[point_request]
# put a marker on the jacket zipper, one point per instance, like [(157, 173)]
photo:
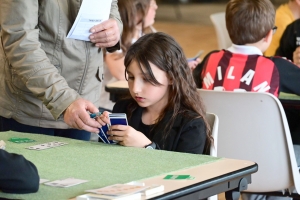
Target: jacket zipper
[(87, 53)]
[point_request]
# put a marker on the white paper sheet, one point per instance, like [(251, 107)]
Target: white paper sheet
[(92, 12)]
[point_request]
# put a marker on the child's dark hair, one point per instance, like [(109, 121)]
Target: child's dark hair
[(164, 52), (249, 21)]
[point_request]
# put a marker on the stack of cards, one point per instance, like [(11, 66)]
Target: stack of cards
[(115, 119), (119, 190), (128, 191), (47, 145), (90, 196)]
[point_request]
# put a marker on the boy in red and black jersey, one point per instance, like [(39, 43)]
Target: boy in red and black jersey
[(242, 67)]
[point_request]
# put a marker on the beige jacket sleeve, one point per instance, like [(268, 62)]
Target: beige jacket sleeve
[(20, 37)]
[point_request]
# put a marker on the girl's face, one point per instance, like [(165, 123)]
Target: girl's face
[(145, 94), (149, 19)]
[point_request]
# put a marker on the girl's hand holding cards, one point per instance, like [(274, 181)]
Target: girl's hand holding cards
[(115, 129), (103, 119), (128, 136)]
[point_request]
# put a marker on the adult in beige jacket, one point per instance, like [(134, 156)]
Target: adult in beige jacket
[(47, 81)]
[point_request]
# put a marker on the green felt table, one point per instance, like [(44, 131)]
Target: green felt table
[(100, 164), (288, 96)]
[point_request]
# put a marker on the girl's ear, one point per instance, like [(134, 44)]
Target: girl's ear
[(170, 81)]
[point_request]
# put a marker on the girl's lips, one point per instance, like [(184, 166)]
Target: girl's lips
[(139, 98)]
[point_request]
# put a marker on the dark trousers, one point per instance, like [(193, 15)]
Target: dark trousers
[(13, 125)]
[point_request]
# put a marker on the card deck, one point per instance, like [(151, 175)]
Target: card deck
[(115, 119), (119, 189), (47, 145)]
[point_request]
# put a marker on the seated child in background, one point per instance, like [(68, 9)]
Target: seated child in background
[(242, 67), (290, 42), (285, 14), (138, 17), (250, 24), (290, 48), (165, 110), (17, 175)]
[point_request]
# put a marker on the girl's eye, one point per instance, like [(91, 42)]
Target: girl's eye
[(146, 78), (130, 77)]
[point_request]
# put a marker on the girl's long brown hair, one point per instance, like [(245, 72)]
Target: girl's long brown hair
[(165, 53)]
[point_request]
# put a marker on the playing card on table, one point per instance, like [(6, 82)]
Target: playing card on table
[(43, 180), (20, 140), (47, 145), (68, 182)]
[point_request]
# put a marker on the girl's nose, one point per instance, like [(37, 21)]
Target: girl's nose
[(136, 86)]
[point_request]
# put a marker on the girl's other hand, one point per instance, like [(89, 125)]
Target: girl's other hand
[(103, 119)]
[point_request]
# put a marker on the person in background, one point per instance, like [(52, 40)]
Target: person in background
[(48, 82), (149, 22), (138, 17), (242, 67), (133, 14), (290, 42), (165, 110), (285, 14), (289, 48), (17, 175)]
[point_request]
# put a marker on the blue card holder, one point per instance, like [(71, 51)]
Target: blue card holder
[(102, 134), (115, 119), (118, 121)]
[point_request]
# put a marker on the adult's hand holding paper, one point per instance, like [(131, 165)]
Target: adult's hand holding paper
[(91, 13)]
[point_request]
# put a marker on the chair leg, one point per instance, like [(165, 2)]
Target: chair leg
[(232, 195)]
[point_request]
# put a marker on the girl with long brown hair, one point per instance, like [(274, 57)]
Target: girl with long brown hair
[(165, 110), (134, 15)]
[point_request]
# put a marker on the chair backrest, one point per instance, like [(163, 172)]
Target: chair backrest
[(253, 126), (218, 20), (213, 122)]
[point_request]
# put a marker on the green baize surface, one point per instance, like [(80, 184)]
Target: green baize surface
[(101, 164)]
